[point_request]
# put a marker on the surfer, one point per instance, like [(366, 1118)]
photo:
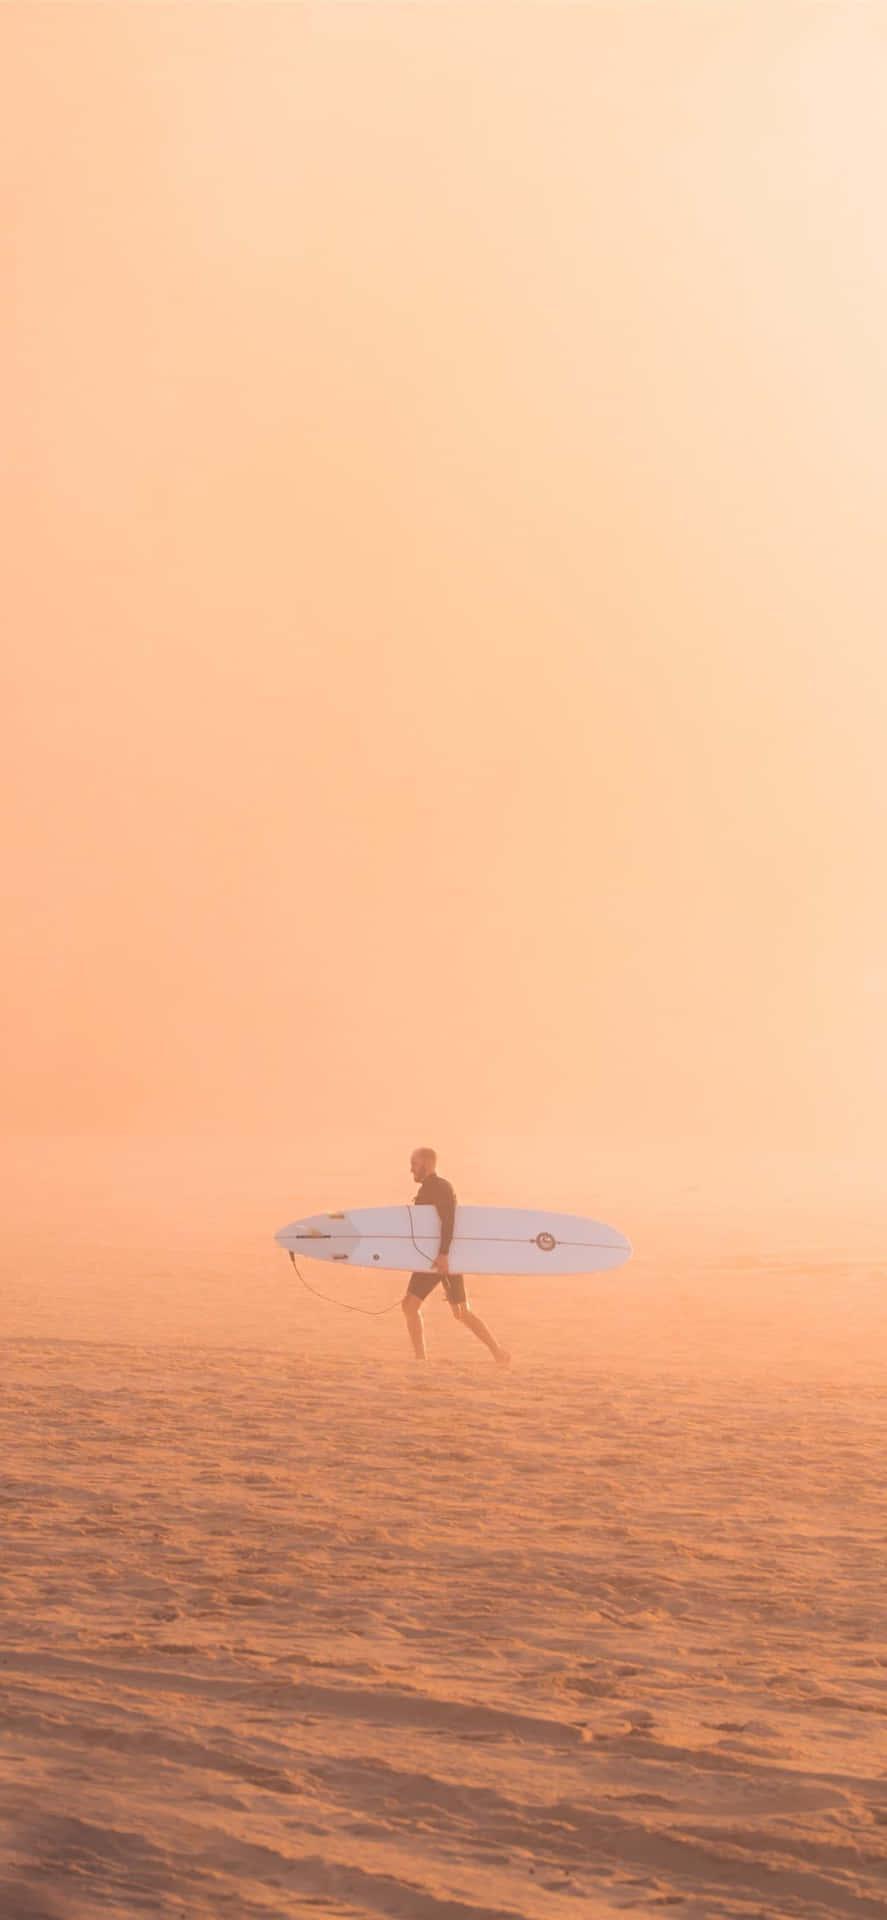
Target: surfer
[(435, 1192)]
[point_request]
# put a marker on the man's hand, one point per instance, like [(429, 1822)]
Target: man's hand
[(440, 1264)]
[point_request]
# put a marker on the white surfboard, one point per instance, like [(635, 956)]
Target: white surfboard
[(485, 1240)]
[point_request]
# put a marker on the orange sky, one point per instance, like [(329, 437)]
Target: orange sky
[(444, 477)]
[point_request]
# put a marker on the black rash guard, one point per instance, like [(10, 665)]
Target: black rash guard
[(435, 1192)]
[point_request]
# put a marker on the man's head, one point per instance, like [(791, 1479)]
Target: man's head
[(423, 1161)]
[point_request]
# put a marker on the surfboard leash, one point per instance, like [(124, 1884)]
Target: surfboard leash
[(371, 1313)]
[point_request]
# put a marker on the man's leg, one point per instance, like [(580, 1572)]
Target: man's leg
[(412, 1310), (412, 1313), (461, 1311)]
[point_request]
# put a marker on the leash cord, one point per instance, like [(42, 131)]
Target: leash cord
[(372, 1313)]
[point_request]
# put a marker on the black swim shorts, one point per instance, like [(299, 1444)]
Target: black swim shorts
[(421, 1284)]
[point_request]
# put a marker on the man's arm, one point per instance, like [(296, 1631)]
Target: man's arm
[(445, 1202)]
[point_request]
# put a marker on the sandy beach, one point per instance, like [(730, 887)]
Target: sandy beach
[(296, 1626)]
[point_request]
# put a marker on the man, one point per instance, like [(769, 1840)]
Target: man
[(435, 1192)]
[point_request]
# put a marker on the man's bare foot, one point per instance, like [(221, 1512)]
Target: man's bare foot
[(502, 1357)]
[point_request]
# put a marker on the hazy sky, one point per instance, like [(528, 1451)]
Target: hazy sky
[(444, 632)]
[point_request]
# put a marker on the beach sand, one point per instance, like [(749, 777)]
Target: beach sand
[(294, 1626)]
